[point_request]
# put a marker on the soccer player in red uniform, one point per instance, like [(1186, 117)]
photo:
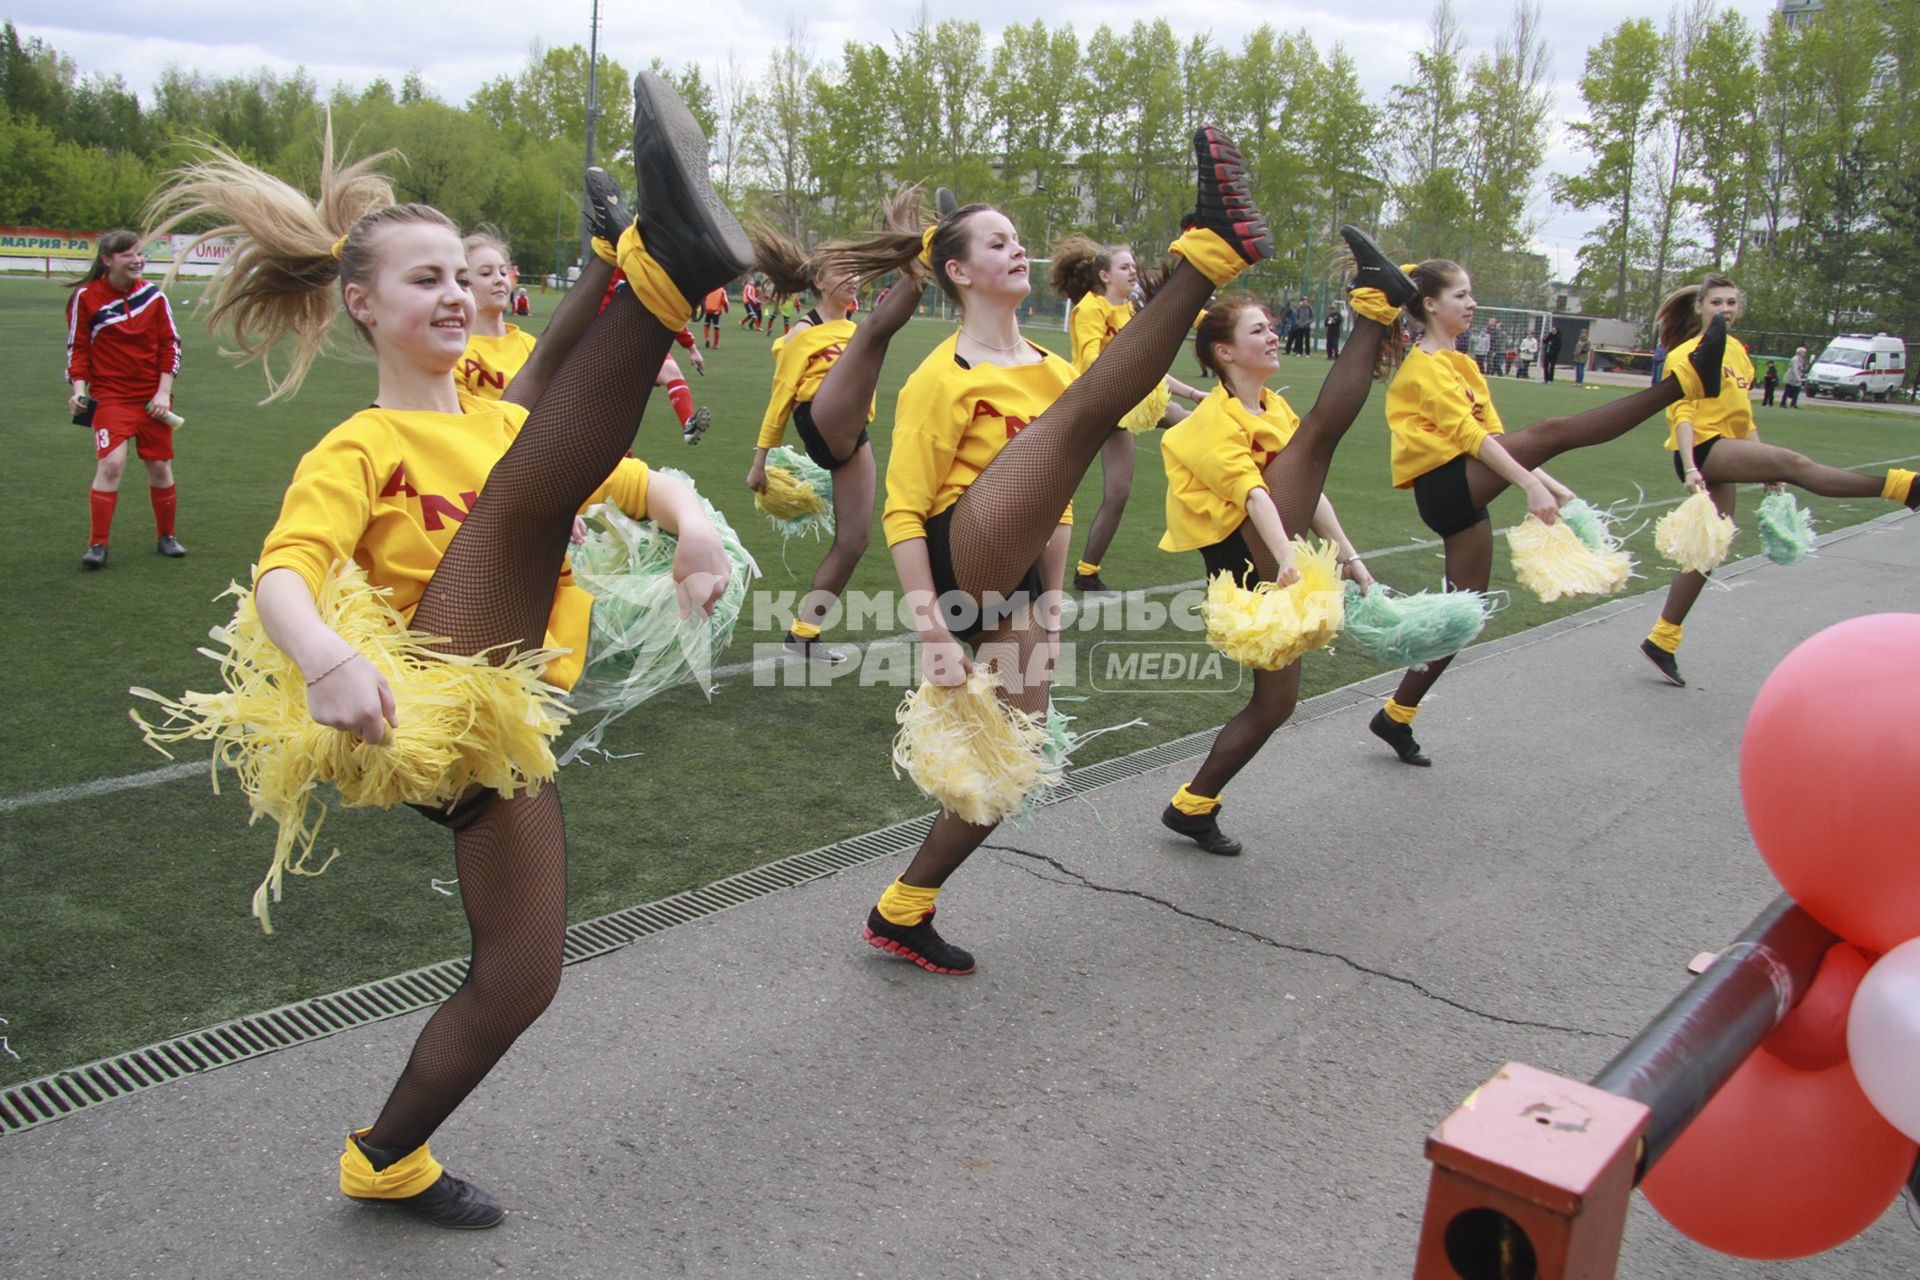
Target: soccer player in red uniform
[(123, 353)]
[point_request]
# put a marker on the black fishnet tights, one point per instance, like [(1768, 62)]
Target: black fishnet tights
[(1469, 553), (512, 862), (840, 404), (494, 587), (1003, 520), (1295, 478)]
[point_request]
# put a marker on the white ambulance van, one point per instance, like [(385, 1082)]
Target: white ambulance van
[(1857, 365)]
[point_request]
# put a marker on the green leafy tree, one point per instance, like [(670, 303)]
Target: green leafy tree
[(1618, 89), (1431, 114)]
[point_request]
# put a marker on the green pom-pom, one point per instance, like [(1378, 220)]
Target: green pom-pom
[(800, 501), (1786, 529), (638, 645), (1411, 631), (1591, 525)]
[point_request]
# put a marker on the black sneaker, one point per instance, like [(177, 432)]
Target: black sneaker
[(815, 651), (1089, 584), (1224, 204), (697, 423), (687, 227), (1710, 357), (918, 943), (450, 1202), (95, 556), (607, 217), (1399, 737), (1663, 662), (1203, 829), (169, 546), (1373, 269)]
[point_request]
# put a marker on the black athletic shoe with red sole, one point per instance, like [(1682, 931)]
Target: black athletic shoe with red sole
[(1373, 269), (1224, 204), (918, 943), (1663, 662), (1710, 357), (688, 229)]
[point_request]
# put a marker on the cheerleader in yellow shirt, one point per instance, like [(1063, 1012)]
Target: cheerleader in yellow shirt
[(496, 349), (443, 498), (1716, 446), (824, 375), (991, 435), (1099, 282), (1241, 473), (1450, 448)]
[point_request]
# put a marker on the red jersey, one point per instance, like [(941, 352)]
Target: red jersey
[(120, 342)]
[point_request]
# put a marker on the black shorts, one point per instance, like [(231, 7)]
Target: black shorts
[(815, 443), (1233, 555), (713, 317), (1701, 449), (1445, 501), (957, 609)]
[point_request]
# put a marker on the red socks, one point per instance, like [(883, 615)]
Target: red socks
[(164, 501), (682, 397), (102, 506)]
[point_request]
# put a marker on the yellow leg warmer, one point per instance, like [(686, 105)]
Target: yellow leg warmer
[(1085, 568), (1193, 804), (1210, 255), (906, 904), (1666, 635), (1899, 486), (804, 630), (650, 283), (1399, 714), (408, 1176), (605, 252), (1371, 304)]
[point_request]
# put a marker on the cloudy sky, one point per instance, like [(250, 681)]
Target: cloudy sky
[(458, 46)]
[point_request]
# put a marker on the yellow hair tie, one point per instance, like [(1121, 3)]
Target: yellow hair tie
[(338, 245), (926, 246)]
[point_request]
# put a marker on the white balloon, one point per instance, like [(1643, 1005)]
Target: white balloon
[(1883, 1037)]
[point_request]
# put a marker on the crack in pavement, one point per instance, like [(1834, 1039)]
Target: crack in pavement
[(1295, 947)]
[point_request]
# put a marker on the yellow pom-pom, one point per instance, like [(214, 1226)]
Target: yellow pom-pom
[(976, 755), (786, 498), (1694, 535), (1271, 627), (463, 722), (1146, 415), (1551, 561)]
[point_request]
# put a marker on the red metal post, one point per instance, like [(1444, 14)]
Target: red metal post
[(1531, 1179)]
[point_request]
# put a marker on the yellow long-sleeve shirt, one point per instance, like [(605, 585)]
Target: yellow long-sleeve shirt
[(1214, 460), (388, 488), (1096, 322), (801, 361), (950, 422), (1438, 407), (488, 364), (1728, 414)]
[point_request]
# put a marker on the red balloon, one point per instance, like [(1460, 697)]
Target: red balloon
[(1813, 1036), (1781, 1164), (1829, 771)]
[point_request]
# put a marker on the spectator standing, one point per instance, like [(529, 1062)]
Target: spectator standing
[(1529, 349), (1482, 343), (1549, 353), (1796, 374), (1496, 348), (1768, 383), (1582, 353), (1303, 319), (1333, 331)]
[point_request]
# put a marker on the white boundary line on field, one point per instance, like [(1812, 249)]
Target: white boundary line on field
[(187, 769)]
